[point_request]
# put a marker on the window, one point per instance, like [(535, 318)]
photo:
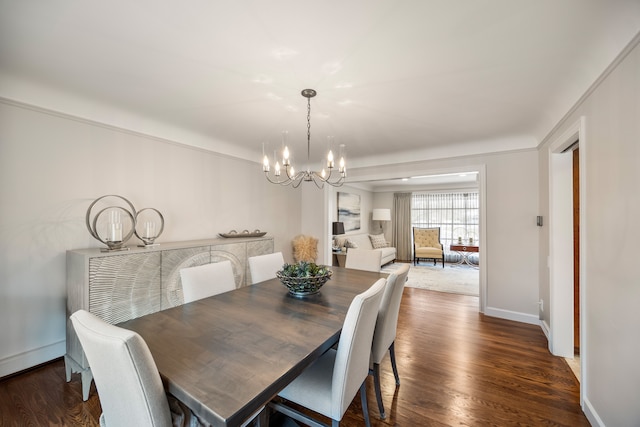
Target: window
[(457, 215)]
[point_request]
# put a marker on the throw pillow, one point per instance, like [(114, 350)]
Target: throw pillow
[(350, 244), (378, 241)]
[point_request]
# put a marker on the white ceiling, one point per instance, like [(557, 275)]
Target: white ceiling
[(395, 79)]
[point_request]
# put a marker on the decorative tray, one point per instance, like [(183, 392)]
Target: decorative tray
[(245, 233)]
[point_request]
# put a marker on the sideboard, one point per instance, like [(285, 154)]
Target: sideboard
[(123, 285)]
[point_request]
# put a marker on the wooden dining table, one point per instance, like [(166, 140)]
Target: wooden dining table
[(228, 355)]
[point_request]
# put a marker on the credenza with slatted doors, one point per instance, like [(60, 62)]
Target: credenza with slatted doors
[(123, 285)]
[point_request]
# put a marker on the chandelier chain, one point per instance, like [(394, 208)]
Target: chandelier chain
[(308, 131)]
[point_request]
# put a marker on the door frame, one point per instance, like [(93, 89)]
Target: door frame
[(560, 264)]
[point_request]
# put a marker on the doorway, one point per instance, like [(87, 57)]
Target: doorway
[(479, 170), (566, 247), (576, 250), (574, 362)]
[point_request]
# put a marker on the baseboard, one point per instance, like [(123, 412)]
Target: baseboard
[(28, 359), (545, 329), (591, 414), (512, 315)]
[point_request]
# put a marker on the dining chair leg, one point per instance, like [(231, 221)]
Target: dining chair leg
[(392, 354), (365, 408), (376, 386)]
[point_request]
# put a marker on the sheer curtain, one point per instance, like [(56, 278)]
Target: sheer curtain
[(401, 238), (457, 215)]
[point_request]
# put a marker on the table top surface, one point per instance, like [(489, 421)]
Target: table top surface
[(473, 247), (225, 356)]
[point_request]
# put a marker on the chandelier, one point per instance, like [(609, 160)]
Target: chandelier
[(291, 177)]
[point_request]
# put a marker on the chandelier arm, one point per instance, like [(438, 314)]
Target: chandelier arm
[(283, 182), (339, 182), (315, 178), (299, 179), (336, 183), (286, 171)]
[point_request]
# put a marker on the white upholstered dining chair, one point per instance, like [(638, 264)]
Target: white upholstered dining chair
[(126, 376), (363, 259), (206, 280), (385, 332), (264, 267), (329, 385)]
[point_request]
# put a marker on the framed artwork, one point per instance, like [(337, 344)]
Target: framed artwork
[(349, 211)]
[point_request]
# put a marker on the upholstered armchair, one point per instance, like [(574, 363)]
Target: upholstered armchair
[(426, 245)]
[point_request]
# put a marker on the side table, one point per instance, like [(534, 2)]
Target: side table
[(339, 259), (465, 251)]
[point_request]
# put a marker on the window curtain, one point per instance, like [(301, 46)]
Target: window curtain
[(402, 226), (457, 215)]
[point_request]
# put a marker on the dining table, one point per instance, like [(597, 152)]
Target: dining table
[(228, 355)]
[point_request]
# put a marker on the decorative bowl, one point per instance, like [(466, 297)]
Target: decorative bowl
[(304, 278)]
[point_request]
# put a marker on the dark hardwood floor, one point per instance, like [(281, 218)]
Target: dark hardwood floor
[(457, 367)]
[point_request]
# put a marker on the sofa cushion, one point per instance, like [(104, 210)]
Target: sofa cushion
[(378, 241)]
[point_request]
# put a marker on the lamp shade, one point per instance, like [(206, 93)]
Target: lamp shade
[(382, 214), (338, 228)]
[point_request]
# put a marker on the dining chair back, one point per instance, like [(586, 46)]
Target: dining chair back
[(264, 267), (206, 280), (126, 376), (385, 333), (329, 385), (363, 259)]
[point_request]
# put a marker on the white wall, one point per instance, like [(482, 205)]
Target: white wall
[(315, 220), (610, 282), (53, 166), (383, 201)]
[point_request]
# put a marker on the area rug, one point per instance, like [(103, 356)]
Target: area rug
[(452, 278)]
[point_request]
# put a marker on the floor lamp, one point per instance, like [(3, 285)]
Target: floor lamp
[(382, 215)]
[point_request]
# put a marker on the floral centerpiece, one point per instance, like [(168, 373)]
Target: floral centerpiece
[(304, 278)]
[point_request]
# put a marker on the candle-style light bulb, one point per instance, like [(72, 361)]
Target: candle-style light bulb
[(285, 150), (323, 173), (330, 163), (265, 164), (343, 163), (277, 171)]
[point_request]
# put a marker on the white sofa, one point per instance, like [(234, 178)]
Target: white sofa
[(363, 241)]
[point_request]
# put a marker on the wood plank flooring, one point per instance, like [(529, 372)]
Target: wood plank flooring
[(457, 367)]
